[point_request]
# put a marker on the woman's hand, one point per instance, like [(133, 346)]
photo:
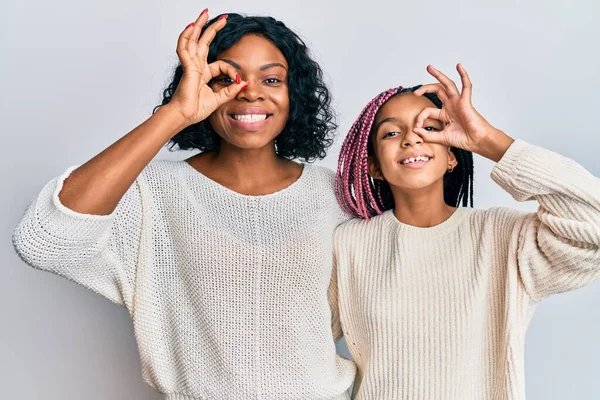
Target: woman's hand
[(193, 98)]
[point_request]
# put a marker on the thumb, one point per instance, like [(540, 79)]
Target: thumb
[(229, 92)]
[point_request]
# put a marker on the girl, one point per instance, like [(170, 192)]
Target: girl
[(223, 260), (435, 299)]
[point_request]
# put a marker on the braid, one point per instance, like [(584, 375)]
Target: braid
[(458, 184), (365, 197), (358, 193)]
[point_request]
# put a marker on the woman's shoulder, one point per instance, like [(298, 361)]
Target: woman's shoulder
[(320, 181), (320, 175), (162, 178), (165, 173), (162, 168)]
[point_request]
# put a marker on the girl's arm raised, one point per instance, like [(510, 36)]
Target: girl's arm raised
[(558, 248)]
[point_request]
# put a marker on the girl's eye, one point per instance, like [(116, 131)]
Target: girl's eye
[(390, 134), (431, 129), (272, 81)]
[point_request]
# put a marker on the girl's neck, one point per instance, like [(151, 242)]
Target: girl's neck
[(421, 207), (251, 172)]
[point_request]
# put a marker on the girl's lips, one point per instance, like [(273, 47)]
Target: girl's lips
[(416, 164)]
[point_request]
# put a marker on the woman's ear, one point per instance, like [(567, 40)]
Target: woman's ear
[(374, 169)]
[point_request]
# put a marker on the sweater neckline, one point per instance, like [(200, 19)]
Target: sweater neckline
[(292, 187), (449, 225)]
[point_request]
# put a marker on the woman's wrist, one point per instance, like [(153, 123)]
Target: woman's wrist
[(171, 119)]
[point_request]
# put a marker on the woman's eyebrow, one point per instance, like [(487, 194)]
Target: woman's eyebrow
[(272, 65), (232, 63), (263, 68)]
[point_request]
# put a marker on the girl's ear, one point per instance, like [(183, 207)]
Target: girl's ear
[(374, 169), (452, 161)]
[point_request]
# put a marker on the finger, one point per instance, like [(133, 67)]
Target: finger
[(436, 88), (182, 44), (188, 36), (228, 93), (437, 137), (467, 86), (192, 44), (218, 68), (429, 113), (448, 83), (208, 36)]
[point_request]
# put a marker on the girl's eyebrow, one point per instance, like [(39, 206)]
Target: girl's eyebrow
[(383, 121)]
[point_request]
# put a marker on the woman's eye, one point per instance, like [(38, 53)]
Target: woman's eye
[(390, 134), (431, 128), (272, 81), (225, 80)]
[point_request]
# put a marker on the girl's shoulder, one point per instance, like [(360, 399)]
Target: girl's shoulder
[(499, 224), (357, 228), (496, 216), (495, 219)]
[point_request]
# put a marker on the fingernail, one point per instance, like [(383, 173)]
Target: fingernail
[(190, 24), (224, 16), (204, 11), (237, 78), (245, 86)]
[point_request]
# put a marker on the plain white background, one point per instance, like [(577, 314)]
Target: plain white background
[(75, 76)]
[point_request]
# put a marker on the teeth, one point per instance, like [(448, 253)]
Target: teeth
[(415, 159), (250, 117)]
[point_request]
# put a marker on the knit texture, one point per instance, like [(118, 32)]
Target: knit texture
[(440, 313), (228, 293)]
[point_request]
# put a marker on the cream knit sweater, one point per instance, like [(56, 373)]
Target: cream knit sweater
[(228, 293), (440, 313)]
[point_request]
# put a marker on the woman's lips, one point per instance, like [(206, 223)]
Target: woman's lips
[(249, 122)]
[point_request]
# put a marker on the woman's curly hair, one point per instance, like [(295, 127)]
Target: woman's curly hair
[(311, 122)]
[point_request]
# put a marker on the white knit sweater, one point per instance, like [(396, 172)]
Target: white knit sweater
[(228, 293), (440, 313)]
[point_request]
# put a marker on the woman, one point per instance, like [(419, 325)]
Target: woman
[(223, 260)]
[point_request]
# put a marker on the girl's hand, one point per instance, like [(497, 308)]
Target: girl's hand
[(193, 98), (464, 127)]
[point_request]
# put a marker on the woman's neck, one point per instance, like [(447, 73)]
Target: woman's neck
[(247, 171), (421, 207)]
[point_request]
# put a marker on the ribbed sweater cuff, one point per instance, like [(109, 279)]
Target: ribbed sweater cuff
[(525, 170)]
